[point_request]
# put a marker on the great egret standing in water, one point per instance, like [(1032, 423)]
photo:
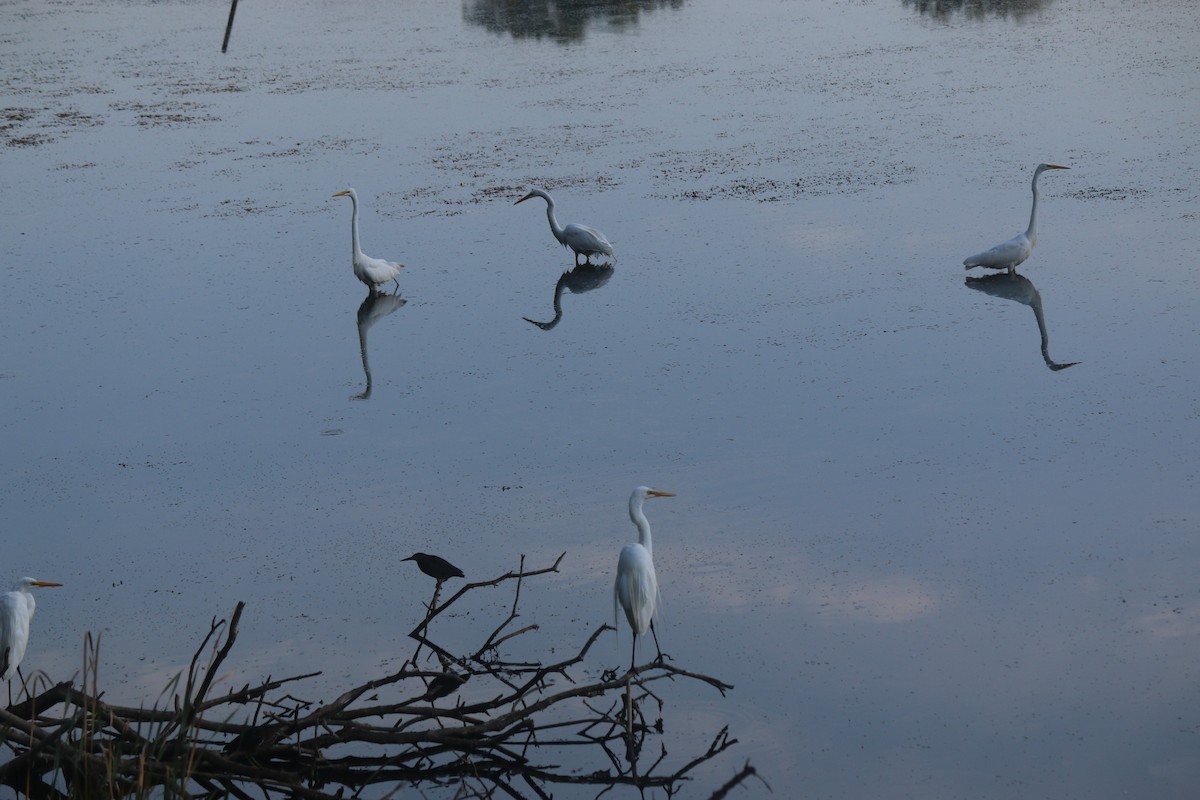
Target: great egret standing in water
[(16, 611), (1008, 255), (636, 587), (371, 271), (585, 241)]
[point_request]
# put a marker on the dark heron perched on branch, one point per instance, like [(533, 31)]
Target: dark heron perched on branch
[(444, 685), (435, 566)]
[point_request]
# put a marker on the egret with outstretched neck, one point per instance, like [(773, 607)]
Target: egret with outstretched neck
[(372, 271), (1008, 255), (585, 241), (373, 308), (636, 587)]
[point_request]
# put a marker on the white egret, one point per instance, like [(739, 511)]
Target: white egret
[(1008, 255), (636, 587), (585, 241), (16, 610), (371, 271)]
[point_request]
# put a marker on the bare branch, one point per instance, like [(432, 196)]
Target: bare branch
[(486, 724)]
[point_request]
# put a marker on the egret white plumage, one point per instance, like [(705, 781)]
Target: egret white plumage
[(371, 271), (636, 587), (585, 241), (16, 611), (1007, 255)]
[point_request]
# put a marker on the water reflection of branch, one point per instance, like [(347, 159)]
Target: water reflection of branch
[(1018, 288), (562, 20), (583, 278), (520, 721), (373, 309), (977, 9)]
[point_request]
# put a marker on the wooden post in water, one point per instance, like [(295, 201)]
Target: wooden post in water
[(229, 25)]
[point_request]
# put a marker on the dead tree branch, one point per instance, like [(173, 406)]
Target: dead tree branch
[(485, 724)]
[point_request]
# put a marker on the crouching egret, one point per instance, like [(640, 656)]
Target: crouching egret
[(435, 567), (636, 587), (371, 271), (16, 611), (1008, 255), (585, 241)]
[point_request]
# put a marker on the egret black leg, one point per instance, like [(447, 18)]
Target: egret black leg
[(21, 678), (655, 634)]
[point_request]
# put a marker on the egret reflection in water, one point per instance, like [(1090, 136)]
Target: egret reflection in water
[(561, 20), (374, 308), (1016, 287), (584, 278)]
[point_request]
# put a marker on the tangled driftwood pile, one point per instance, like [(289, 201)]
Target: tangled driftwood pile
[(471, 725)]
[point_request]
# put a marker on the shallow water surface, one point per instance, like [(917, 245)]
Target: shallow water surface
[(933, 561)]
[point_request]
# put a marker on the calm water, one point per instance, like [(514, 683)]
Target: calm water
[(933, 567)]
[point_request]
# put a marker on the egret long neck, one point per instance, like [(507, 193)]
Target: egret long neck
[(1031, 232), (362, 346), (1036, 305), (555, 228), (643, 525), (354, 226), (557, 310), (558, 292)]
